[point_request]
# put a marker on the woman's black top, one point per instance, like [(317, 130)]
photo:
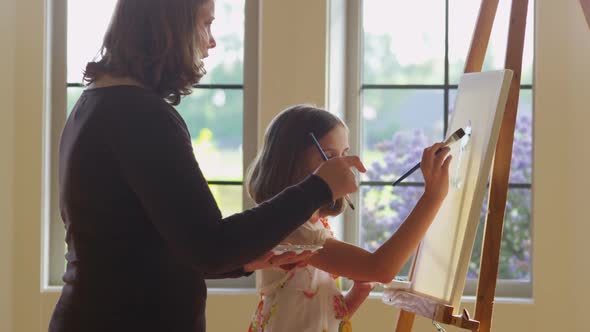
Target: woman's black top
[(143, 230)]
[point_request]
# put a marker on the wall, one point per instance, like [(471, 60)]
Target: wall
[(293, 59), (7, 33), (561, 178), (28, 119), (292, 55)]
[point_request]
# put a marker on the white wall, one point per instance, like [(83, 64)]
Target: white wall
[(561, 178), (7, 12), (293, 58), (292, 55), (28, 117)]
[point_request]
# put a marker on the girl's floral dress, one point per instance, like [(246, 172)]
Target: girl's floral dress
[(300, 298)]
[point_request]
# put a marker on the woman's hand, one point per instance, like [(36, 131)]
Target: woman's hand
[(435, 168), (337, 173), (270, 260)]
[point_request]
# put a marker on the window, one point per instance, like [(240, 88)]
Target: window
[(214, 112), (408, 57)]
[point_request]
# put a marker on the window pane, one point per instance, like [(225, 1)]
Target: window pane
[(226, 61), (515, 256), (383, 210), (72, 98), (228, 197), (397, 126), (87, 23), (224, 65), (522, 149), (462, 17), (403, 42), (215, 118)]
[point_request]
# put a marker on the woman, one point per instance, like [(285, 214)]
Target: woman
[(142, 228)]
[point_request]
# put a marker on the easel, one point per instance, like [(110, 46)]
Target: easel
[(414, 304), (586, 9)]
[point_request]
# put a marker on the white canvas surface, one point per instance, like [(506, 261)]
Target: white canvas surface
[(441, 264)]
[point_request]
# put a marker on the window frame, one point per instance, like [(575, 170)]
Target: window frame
[(353, 52), (56, 85)]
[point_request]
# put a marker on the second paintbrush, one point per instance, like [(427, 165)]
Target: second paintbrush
[(317, 145)]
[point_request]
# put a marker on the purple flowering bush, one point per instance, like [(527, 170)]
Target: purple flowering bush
[(384, 208)]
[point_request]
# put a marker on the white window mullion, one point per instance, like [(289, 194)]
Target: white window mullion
[(343, 94), (55, 116), (251, 105), (353, 105)]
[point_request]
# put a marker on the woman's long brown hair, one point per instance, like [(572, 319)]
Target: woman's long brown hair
[(155, 42)]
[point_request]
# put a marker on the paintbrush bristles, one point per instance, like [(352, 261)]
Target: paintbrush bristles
[(457, 135)]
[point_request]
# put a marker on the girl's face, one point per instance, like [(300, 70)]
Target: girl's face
[(334, 144), (204, 21)]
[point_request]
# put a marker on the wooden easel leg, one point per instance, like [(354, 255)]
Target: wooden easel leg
[(405, 321), (586, 9), (481, 35), (500, 172)]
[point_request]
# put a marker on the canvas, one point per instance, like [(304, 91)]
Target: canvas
[(440, 266)]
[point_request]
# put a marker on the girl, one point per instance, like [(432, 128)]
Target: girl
[(305, 297)]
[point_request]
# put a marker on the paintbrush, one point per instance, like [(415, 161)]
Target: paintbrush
[(317, 145), (457, 135)]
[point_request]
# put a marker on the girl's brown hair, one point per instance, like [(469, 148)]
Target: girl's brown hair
[(281, 161), (155, 42)]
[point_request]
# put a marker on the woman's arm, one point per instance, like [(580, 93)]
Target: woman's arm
[(152, 148), (268, 260), (238, 273)]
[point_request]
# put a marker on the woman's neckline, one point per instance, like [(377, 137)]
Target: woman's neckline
[(108, 81)]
